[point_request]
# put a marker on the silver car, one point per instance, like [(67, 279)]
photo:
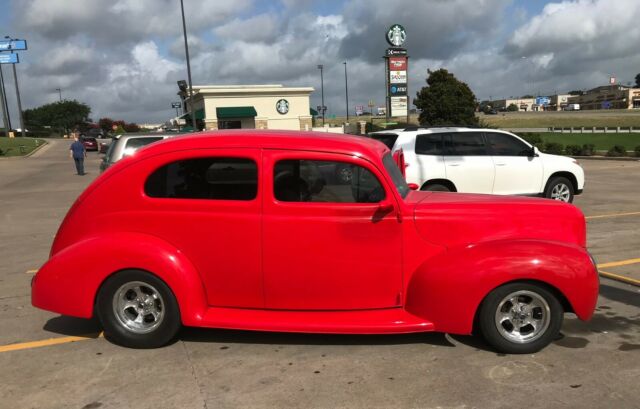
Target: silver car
[(125, 145)]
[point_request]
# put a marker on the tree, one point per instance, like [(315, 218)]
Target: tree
[(512, 107), (132, 127), (446, 101), (638, 81), (105, 124), (578, 92), (62, 115)]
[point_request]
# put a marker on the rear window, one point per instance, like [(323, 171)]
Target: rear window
[(388, 139), (465, 144), (136, 143), (429, 144)]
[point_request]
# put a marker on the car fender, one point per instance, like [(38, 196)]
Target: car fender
[(448, 288), (69, 281)]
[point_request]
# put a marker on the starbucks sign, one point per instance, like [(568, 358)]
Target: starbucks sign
[(396, 35), (282, 106)]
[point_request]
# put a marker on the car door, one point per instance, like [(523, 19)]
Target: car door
[(328, 243), (467, 162), (207, 203), (517, 172)]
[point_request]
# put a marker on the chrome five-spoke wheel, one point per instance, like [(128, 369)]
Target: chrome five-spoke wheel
[(138, 306), (522, 316)]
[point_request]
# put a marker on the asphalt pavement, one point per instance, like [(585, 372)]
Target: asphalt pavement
[(49, 361)]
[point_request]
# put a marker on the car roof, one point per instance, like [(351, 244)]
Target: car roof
[(271, 139)]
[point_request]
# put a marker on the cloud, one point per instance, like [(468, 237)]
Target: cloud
[(262, 28)]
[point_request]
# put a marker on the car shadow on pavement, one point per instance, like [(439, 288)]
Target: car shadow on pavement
[(71, 326), (622, 295), (190, 334)]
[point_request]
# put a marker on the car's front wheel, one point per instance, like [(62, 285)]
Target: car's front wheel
[(520, 318), (138, 310), (559, 188)]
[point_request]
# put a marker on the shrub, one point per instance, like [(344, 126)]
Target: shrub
[(554, 148), (533, 138), (617, 150), (573, 150), (637, 151), (588, 149), (512, 108)]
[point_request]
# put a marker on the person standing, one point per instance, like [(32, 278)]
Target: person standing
[(77, 152)]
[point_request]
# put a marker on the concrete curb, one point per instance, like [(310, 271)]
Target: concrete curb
[(36, 150), (622, 158)]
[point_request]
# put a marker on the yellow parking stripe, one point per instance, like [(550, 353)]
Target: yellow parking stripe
[(47, 342), (602, 216), (620, 263), (618, 277), (31, 271)]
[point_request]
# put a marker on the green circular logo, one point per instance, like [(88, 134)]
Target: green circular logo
[(396, 35)]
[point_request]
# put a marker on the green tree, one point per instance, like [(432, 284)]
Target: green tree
[(638, 81), (512, 108), (446, 101), (105, 124), (62, 115)]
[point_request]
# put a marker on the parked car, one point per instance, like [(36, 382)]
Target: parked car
[(90, 143), (482, 161), (126, 145), (255, 230)]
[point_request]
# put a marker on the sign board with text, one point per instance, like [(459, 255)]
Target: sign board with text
[(397, 77), (13, 45), (9, 58), (399, 106)]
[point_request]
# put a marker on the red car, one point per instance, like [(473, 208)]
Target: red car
[(90, 143), (257, 230)]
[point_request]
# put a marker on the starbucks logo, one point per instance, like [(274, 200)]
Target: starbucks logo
[(396, 35), (282, 106)]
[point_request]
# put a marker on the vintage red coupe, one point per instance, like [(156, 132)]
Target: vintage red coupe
[(304, 232)]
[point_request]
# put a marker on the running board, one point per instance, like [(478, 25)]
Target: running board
[(382, 321)]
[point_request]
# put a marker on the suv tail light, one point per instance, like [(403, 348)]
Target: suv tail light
[(398, 158)]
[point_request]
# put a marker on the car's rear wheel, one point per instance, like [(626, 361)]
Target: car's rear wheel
[(436, 187), (138, 310), (520, 318), (561, 189)]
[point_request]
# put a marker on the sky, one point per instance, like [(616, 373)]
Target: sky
[(123, 57)]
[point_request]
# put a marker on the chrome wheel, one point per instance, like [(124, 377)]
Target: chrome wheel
[(561, 192), (138, 307), (522, 317)]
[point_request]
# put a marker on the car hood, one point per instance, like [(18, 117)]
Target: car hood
[(458, 219)]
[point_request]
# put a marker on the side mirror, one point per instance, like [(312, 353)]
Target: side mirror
[(385, 207), (413, 186), (533, 152)]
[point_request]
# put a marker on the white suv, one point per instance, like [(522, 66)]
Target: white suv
[(481, 161)]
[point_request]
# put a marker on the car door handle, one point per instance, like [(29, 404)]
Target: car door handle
[(453, 164)]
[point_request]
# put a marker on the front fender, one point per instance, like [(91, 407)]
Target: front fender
[(69, 281), (448, 288)]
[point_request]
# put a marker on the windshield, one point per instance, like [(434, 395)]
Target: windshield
[(396, 175)]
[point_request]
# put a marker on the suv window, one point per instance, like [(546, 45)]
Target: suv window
[(205, 178), (465, 144), (325, 181), (506, 145), (388, 139), (429, 144)]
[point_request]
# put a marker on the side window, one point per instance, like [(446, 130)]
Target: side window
[(506, 145), (205, 178), (465, 144), (133, 144), (429, 144), (325, 181)]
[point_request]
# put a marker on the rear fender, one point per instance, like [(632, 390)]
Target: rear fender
[(69, 281), (448, 288)]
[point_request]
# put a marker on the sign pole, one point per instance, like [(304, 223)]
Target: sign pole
[(186, 50), (4, 107), (15, 79)]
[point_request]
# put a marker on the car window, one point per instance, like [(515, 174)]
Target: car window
[(506, 145), (465, 144), (205, 178), (396, 175), (325, 181), (388, 139), (136, 143), (429, 144)]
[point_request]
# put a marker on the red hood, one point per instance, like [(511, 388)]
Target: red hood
[(455, 219)]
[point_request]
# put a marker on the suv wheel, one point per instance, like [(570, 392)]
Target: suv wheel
[(436, 187), (138, 310), (559, 188), (520, 318)]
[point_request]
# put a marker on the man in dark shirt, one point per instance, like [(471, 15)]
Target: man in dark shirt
[(78, 153)]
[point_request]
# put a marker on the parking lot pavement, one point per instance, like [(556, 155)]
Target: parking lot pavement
[(594, 365)]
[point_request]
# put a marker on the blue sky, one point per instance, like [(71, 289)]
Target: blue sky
[(123, 57)]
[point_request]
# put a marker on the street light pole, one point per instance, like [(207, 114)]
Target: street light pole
[(346, 89), (5, 106), (59, 93), (320, 67), (15, 79), (186, 51)]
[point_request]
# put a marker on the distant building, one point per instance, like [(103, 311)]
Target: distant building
[(608, 97), (523, 104), (250, 106), (558, 102)]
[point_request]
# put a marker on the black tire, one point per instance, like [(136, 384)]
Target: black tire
[(492, 332), (558, 184), (160, 332), (436, 187)]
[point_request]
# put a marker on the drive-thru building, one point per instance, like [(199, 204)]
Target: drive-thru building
[(250, 107)]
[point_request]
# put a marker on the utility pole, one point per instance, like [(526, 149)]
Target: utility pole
[(59, 94), (15, 79), (320, 67), (5, 106), (346, 89), (186, 51)]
